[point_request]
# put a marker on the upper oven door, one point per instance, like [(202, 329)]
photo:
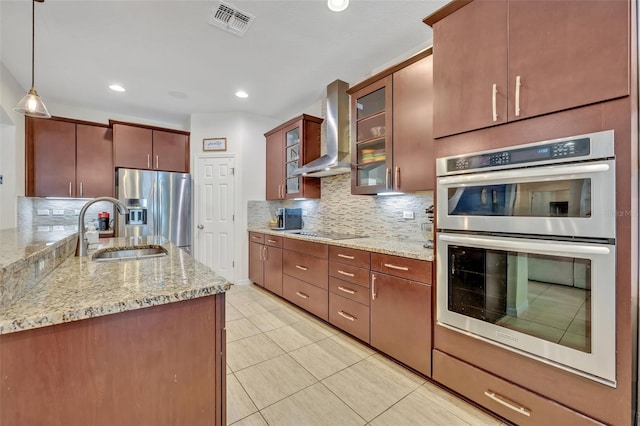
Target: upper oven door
[(576, 200)]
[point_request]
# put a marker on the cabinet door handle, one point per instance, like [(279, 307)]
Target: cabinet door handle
[(494, 94), (346, 290), (148, 161), (69, 189), (518, 83), (272, 241), (348, 274), (157, 162), (373, 287), (399, 268), (81, 190), (387, 178), (344, 256), (397, 178), (347, 316), (304, 296), (508, 403), (255, 238), (266, 252), (302, 268)]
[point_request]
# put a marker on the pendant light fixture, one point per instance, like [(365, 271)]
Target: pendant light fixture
[(337, 5), (31, 104)]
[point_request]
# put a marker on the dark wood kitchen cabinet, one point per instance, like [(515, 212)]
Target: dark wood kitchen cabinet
[(265, 261), (489, 69), (391, 118), (67, 158), (290, 146), (305, 275), (150, 148), (401, 320)]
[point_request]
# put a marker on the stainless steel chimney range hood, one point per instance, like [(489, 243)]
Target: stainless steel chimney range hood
[(337, 159)]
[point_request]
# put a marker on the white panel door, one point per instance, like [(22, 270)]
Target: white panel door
[(214, 214)]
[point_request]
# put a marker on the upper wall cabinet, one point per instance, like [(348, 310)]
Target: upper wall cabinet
[(391, 119), (142, 147), (65, 158), (290, 146), (500, 61)]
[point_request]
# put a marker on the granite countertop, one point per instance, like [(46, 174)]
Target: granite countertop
[(80, 288), (405, 248), (20, 246)]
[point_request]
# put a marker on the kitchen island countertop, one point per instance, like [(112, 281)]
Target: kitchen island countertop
[(81, 288), (405, 248)]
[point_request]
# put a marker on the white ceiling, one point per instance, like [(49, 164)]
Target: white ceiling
[(173, 63)]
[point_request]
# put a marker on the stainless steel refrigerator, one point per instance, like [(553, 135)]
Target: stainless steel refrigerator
[(159, 204)]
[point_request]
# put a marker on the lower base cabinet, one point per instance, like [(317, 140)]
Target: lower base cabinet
[(309, 297), (401, 320), (503, 398), (349, 316)]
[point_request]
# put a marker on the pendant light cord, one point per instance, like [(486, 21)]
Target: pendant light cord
[(33, 42)]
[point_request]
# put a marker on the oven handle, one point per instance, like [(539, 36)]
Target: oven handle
[(516, 174), (523, 246)]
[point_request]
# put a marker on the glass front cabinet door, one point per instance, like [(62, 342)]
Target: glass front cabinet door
[(371, 151)]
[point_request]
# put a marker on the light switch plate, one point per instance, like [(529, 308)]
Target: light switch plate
[(58, 212), (43, 212), (408, 215), (58, 228)]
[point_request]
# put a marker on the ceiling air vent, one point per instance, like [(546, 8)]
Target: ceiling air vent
[(231, 18)]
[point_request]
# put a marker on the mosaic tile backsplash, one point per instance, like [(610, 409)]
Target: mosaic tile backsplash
[(52, 214), (340, 211)]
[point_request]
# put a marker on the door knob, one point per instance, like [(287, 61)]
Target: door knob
[(200, 227)]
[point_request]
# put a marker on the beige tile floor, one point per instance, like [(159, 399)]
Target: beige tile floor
[(286, 367)]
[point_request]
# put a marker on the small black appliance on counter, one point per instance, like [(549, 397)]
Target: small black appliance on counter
[(288, 219)]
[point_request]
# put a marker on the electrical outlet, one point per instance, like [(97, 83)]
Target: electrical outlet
[(43, 228), (58, 228), (43, 212), (58, 212), (408, 215)]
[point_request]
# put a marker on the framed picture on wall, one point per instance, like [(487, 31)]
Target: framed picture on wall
[(214, 144)]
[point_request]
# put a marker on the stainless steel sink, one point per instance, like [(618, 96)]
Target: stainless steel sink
[(113, 254)]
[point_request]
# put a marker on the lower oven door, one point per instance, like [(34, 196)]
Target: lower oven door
[(550, 300)]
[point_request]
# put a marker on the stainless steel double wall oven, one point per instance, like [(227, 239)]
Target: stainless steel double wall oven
[(526, 250)]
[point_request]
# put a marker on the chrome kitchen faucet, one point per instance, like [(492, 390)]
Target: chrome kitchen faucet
[(81, 248)]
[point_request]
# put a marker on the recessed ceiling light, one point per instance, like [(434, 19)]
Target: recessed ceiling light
[(242, 94), (116, 88), (337, 5)]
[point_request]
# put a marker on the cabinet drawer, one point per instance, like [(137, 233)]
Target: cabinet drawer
[(506, 399), (306, 268), (310, 298), (307, 247), (256, 237), (272, 240), (350, 316), (411, 269), (354, 257), (349, 290), (349, 273)]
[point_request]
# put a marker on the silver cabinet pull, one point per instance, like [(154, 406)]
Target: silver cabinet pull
[(255, 238), (493, 101), (348, 274), (347, 316), (344, 256), (202, 227), (518, 96), (300, 294), (148, 161), (387, 178), (272, 241), (397, 178), (69, 189), (399, 268), (346, 290), (157, 163), (266, 253), (302, 268), (508, 403), (373, 287), (81, 190)]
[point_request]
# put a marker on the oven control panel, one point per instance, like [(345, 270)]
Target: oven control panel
[(569, 149)]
